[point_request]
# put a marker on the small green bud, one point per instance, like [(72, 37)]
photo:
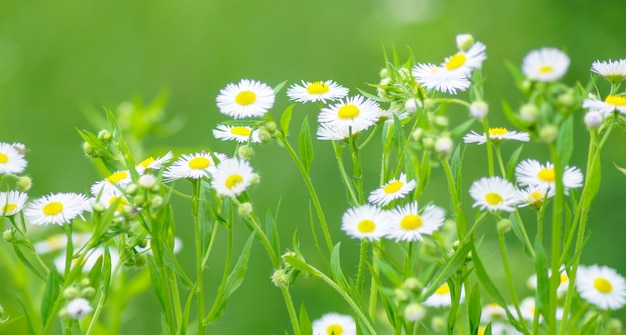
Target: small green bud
[(264, 135), (414, 312), (529, 112), (71, 293), (479, 109), (63, 314), (24, 183), (441, 121), (567, 99), (382, 91), (444, 145), (88, 149), (400, 294), (139, 199), (85, 282), (383, 73), (438, 323), (8, 235), (417, 134), (104, 135), (526, 85), (245, 152), (156, 201), (404, 73), (88, 292), (255, 180), (245, 209), (98, 207), (593, 119), (270, 126), (147, 181), (456, 244), (430, 104), (131, 189), (504, 226), (428, 143), (464, 41), (614, 326), (549, 134), (412, 105), (412, 284), (280, 278)]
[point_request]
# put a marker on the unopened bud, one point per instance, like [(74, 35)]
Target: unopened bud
[(479, 109), (270, 126), (412, 105), (255, 180), (98, 207), (412, 284), (156, 201), (417, 134), (383, 73), (71, 293), (444, 145), (8, 235), (414, 312), (529, 112), (245, 209), (78, 308), (147, 181), (441, 121), (24, 183), (438, 324), (464, 41), (593, 119), (85, 282), (88, 292), (88, 149), (428, 143), (400, 294), (504, 226), (614, 326), (280, 278), (264, 135), (131, 188), (104, 135), (549, 134), (245, 152), (567, 99)]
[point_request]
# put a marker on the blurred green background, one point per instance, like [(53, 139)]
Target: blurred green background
[(59, 59)]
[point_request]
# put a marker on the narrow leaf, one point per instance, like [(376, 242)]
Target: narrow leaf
[(335, 267), (285, 120), (51, 294), (305, 323), (565, 141), (305, 144)]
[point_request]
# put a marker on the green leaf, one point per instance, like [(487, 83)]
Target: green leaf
[(462, 128), (590, 327), (448, 268), (336, 272), (38, 272), (285, 120), (51, 294), (271, 229), (565, 141), (157, 283), (474, 309), (305, 144), (305, 323), (29, 322), (542, 295), (592, 186), (512, 117), (279, 87)]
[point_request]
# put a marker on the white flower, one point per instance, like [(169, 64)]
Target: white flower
[(11, 159), (89, 261), (464, 41), (593, 119), (500, 329), (563, 282), (493, 194), (531, 172), (117, 180), (431, 76), (601, 286), (111, 197), (365, 222), (392, 190), (356, 113), (527, 307), (493, 313), (442, 297), (231, 177), (334, 323), (387, 115), (332, 132), (194, 166), (479, 109), (466, 61), (406, 224), (78, 308), (317, 91), (57, 242), (545, 64), (534, 196), (56, 208), (241, 134), (12, 202), (497, 135), (153, 164), (610, 104), (613, 71), (248, 98)]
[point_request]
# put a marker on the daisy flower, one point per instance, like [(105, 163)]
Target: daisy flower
[(355, 112), (466, 61), (534, 196), (610, 104), (601, 286), (545, 64), (497, 135), (531, 172), (493, 194), (78, 308), (364, 222), (613, 71), (111, 197), (406, 224), (431, 76), (115, 181), (12, 202), (392, 190), (194, 166), (11, 159), (56, 208), (563, 281), (331, 132), (153, 164), (334, 323), (387, 115), (231, 177), (493, 313), (527, 307), (241, 134), (442, 297), (500, 329), (316, 91), (248, 98)]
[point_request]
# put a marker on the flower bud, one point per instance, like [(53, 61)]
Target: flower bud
[(245, 152), (464, 41), (147, 181), (71, 293), (255, 179), (412, 105), (504, 226), (549, 133), (85, 282), (479, 109), (104, 135), (438, 324), (414, 312), (412, 284), (245, 209), (264, 135), (529, 112), (270, 126), (78, 308), (131, 189), (428, 143), (382, 91), (156, 201), (444, 145), (280, 278), (98, 207), (567, 99), (400, 294), (441, 121), (24, 183), (430, 104), (8, 235), (593, 119), (88, 149), (88, 292), (613, 326), (417, 134), (383, 73)]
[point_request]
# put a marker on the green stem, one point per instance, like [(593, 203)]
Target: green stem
[(557, 221), (196, 185), (361, 270), (500, 162), (220, 294), (461, 223), (356, 168), (344, 175), (529, 245), (488, 147), (291, 310), (376, 254), (509, 277)]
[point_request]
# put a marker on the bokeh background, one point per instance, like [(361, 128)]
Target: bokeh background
[(61, 60)]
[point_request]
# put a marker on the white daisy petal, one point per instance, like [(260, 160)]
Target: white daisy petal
[(317, 91), (364, 222), (534, 196), (545, 64), (613, 71), (115, 181), (497, 135), (392, 190), (248, 98), (151, 163), (78, 308), (493, 194), (194, 166), (56, 208), (334, 323), (442, 297), (12, 159), (610, 104), (356, 113), (531, 172), (407, 224), (241, 134), (441, 79), (601, 286), (466, 61), (231, 177)]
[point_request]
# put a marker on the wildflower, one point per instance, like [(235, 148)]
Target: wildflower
[(316, 91), (444, 145), (545, 64), (613, 71), (464, 41), (497, 135), (531, 172), (610, 104), (414, 312), (330, 132), (479, 109), (442, 297), (78, 308), (56, 208), (89, 261), (528, 307), (248, 98), (111, 197), (493, 194), (466, 61), (439, 78), (364, 222), (334, 323), (151, 163), (593, 119), (392, 190), (241, 134), (11, 159), (601, 286), (12, 202), (356, 113), (406, 224), (147, 181), (115, 181), (493, 313), (231, 177), (563, 281), (534, 196), (194, 166)]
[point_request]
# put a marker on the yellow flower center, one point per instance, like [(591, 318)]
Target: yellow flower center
[(317, 87), (56, 242), (456, 61), (117, 177), (240, 131), (536, 196), (8, 207), (245, 98), (120, 202), (53, 208), (348, 112), (546, 175), (564, 278), (615, 100), (147, 162), (497, 131), (366, 226), (393, 187), (546, 69), (3, 158), (411, 222), (493, 198), (199, 163), (443, 289), (334, 329), (233, 180), (602, 285)]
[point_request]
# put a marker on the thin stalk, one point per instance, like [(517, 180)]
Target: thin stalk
[(488, 147), (461, 224), (361, 269), (195, 200), (376, 251), (500, 162), (356, 168), (344, 176), (509, 277), (557, 220), (227, 262), (529, 245), (207, 254)]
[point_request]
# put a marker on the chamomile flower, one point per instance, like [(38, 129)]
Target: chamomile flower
[(248, 98), (563, 281), (493, 194), (392, 190), (334, 323), (193, 166), (527, 307), (601, 286), (78, 308), (610, 104), (531, 172), (151, 163), (12, 202), (407, 224), (241, 134), (316, 91), (613, 71), (364, 222), (356, 113), (116, 180), (431, 76), (12, 160), (497, 135), (493, 313), (332, 132), (231, 177), (545, 64), (534, 195), (56, 208), (466, 61), (442, 297)]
